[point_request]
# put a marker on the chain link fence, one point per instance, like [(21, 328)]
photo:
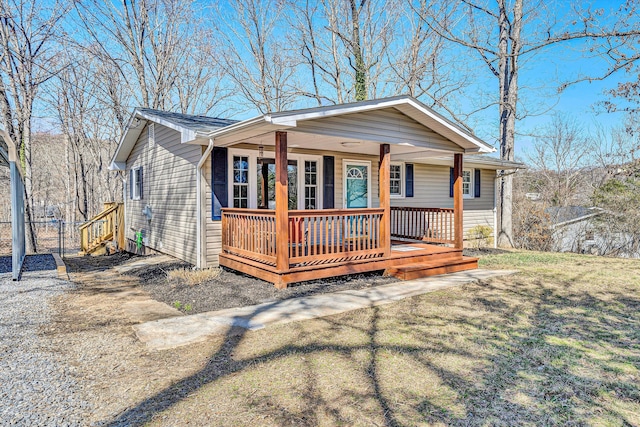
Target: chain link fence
[(51, 236)]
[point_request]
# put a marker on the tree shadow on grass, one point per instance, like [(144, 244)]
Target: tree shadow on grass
[(531, 354)]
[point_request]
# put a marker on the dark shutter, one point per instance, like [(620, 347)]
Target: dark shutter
[(140, 183), (408, 178), (131, 184), (476, 183), (452, 179), (220, 197), (328, 177)]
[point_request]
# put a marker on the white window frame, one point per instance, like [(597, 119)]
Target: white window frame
[(251, 204), (135, 183), (472, 188), (253, 171), (402, 181), (346, 162)]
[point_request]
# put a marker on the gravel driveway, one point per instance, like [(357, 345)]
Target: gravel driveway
[(36, 388)]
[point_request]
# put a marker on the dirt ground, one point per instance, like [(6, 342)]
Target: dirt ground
[(118, 371), (556, 344)]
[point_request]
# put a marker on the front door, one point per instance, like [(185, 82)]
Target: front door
[(357, 185), (267, 183)]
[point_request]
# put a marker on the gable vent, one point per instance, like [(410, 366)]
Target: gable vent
[(152, 134)]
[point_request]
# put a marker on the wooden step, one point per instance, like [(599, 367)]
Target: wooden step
[(432, 268)]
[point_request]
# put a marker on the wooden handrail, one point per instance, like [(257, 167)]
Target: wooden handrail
[(434, 225), (107, 225), (324, 235), (98, 217)]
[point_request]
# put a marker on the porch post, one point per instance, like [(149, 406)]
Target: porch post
[(457, 200), (282, 203), (385, 199)]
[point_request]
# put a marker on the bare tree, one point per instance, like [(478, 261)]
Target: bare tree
[(503, 33), (160, 49), (344, 47), (254, 53), (560, 156), (29, 32)]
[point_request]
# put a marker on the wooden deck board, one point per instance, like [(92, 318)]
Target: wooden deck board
[(440, 259)]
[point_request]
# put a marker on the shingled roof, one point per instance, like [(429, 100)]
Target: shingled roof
[(191, 122)]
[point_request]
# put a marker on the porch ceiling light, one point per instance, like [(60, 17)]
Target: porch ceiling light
[(350, 143)]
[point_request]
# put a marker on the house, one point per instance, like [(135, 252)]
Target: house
[(306, 194), (582, 229)]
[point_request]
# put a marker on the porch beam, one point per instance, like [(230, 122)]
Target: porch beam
[(385, 198), (282, 203), (457, 200)]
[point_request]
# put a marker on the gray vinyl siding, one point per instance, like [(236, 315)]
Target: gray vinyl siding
[(388, 125), (169, 173), (431, 189)]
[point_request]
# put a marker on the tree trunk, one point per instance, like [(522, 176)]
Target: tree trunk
[(360, 69), (508, 51)]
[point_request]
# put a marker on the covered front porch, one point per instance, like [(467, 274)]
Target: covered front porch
[(279, 224), (284, 246)]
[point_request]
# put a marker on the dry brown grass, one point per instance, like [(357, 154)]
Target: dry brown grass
[(557, 344), (192, 277)]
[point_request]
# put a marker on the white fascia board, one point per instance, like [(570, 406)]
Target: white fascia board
[(483, 147), (376, 104), (121, 145), (118, 166)]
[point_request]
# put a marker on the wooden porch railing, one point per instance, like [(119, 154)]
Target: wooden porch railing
[(433, 225), (334, 235), (250, 233), (107, 225), (315, 236)]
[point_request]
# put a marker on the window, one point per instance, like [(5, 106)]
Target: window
[(396, 180), (467, 183), (251, 180), (310, 184), (240, 182), (136, 183)]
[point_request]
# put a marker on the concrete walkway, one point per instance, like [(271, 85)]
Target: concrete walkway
[(177, 331)]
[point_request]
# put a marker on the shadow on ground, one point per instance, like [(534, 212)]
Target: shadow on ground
[(525, 349)]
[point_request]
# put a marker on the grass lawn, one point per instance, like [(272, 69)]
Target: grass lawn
[(556, 344)]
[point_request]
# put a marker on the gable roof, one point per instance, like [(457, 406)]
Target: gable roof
[(201, 128), (189, 126), (407, 105)]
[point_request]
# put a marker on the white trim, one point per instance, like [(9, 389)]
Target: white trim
[(402, 194), (472, 188), (253, 173), (135, 183), (346, 162), (407, 105), (201, 256)]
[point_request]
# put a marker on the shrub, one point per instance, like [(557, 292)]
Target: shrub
[(480, 236), (192, 277)]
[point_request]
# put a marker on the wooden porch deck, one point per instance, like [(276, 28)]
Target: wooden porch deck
[(406, 261)]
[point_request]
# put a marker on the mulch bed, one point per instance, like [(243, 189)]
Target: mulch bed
[(232, 289)]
